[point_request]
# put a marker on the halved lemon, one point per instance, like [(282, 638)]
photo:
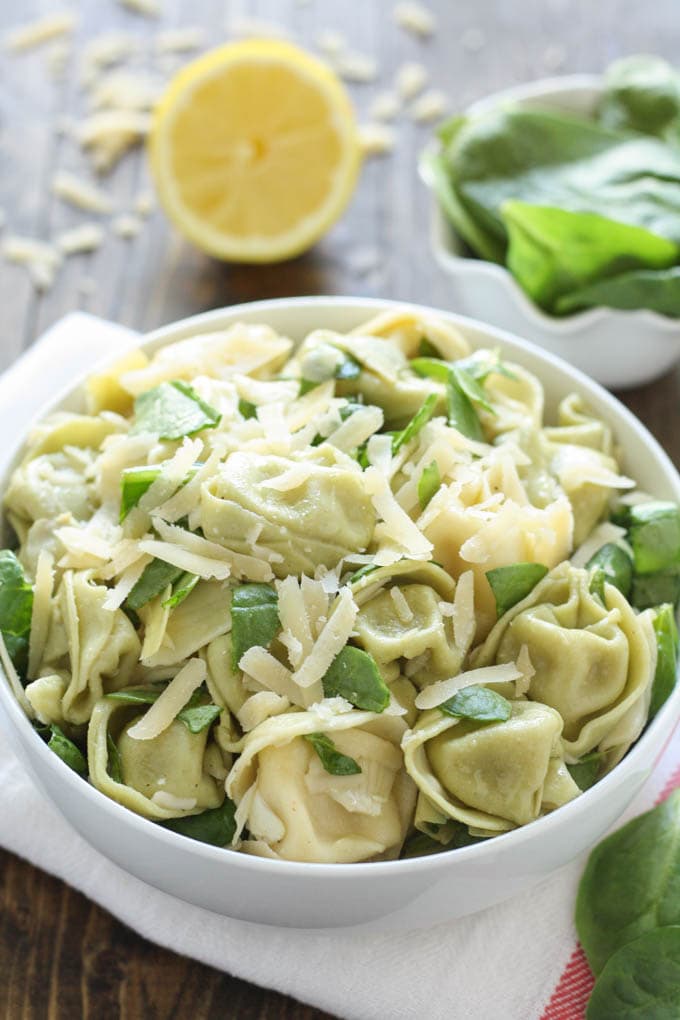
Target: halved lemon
[(254, 150)]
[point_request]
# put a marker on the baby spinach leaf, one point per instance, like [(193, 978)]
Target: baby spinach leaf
[(597, 583), (428, 484), (478, 703), (115, 762), (172, 410), (254, 619), (631, 883), (654, 534), (641, 981), (199, 717), (641, 93), (513, 583), (665, 674), (333, 761), (182, 587), (616, 566), (655, 289), (195, 715), (552, 252), (480, 366), (134, 482), (354, 675), (215, 826), (155, 578), (363, 572), (420, 419), (16, 607), (459, 387), (420, 845), (586, 770), (67, 750), (650, 590), (426, 349)]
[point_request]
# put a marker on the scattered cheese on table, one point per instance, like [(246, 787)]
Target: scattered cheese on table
[(42, 30), (415, 18), (79, 193)]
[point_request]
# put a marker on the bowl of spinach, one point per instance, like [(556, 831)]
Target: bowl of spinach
[(557, 215)]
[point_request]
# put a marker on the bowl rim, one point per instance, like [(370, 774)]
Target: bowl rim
[(380, 870), (550, 89)]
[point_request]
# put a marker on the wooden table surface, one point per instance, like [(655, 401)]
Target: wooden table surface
[(60, 956)]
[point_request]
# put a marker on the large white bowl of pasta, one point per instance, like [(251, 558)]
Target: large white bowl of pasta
[(337, 612)]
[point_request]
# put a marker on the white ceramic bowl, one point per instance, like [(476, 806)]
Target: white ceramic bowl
[(410, 893), (617, 348)]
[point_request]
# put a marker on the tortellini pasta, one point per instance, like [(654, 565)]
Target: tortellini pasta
[(593, 663), (278, 597), (296, 810)]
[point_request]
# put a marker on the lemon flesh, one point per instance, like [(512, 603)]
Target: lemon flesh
[(254, 151)]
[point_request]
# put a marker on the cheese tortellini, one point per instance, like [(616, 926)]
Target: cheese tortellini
[(337, 598)]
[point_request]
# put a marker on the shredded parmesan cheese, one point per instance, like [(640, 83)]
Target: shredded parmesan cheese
[(186, 560), (404, 611), (601, 534), (109, 134), (42, 260), (14, 681), (397, 526), (438, 692), (411, 79), (428, 107), (415, 18), (149, 8), (464, 622), (356, 429), (332, 639), (167, 800), (171, 701), (35, 33), (180, 40), (524, 663), (385, 106), (261, 706), (376, 139), (85, 238), (79, 193)]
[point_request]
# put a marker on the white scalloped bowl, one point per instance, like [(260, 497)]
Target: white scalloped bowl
[(392, 894), (619, 349)]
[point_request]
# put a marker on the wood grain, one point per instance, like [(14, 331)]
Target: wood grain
[(61, 956)]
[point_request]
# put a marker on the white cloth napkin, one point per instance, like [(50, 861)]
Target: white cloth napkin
[(503, 962)]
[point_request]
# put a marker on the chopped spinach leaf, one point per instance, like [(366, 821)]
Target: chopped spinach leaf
[(115, 761), (651, 590), (354, 675), (428, 484), (135, 481), (195, 715), (67, 750), (513, 583), (182, 587), (615, 564), (254, 619), (199, 717), (155, 578), (215, 826), (16, 607), (419, 420), (666, 672), (363, 572), (334, 762), (480, 704), (587, 769), (654, 534), (173, 410), (461, 390), (426, 349), (247, 410)]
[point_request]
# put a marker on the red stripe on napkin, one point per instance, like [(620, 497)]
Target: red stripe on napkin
[(570, 998)]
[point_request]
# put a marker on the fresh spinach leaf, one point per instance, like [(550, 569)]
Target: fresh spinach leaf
[(354, 675), (428, 484), (254, 619), (181, 589), (616, 566), (513, 583), (655, 289), (333, 761), (215, 826), (16, 607), (641, 93), (195, 715), (552, 252), (135, 481), (420, 845), (641, 981), (370, 568), (199, 717), (135, 695), (597, 583), (650, 590), (426, 349), (480, 704), (172, 410), (115, 762), (155, 578), (586, 771), (67, 750), (417, 422), (631, 883), (665, 674), (654, 534)]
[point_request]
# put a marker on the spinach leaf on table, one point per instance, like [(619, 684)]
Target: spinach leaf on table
[(631, 883), (641, 980), (641, 93)]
